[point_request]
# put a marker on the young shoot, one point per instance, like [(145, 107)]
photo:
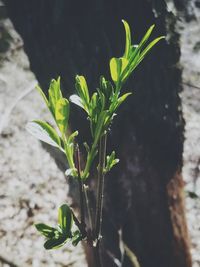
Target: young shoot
[(101, 108)]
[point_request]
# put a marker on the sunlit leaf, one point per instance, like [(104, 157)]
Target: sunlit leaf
[(93, 105), (65, 218), (72, 136), (76, 100), (106, 87), (131, 256), (142, 43), (71, 172), (99, 126), (117, 66), (87, 148), (82, 88), (145, 38), (62, 114), (150, 46), (102, 99), (54, 94), (44, 132), (111, 161), (128, 39), (39, 89), (122, 98)]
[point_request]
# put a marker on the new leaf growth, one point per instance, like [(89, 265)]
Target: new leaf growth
[(101, 108)]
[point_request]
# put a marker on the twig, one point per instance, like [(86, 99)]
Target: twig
[(79, 225), (100, 187), (99, 203), (80, 183), (131, 256), (85, 188)]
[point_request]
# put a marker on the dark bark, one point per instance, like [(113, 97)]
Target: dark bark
[(186, 8), (144, 193)]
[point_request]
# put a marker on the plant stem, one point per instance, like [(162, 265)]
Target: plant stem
[(81, 187), (67, 153), (96, 255), (79, 225), (100, 190), (85, 188), (89, 161)]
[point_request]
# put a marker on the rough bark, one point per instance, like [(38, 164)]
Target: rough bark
[(144, 194), (186, 8)]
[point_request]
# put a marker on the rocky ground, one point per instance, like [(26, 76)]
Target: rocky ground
[(190, 62), (32, 186)]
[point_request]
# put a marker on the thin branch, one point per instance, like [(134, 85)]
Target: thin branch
[(79, 225), (80, 183), (131, 256), (85, 188), (100, 188)]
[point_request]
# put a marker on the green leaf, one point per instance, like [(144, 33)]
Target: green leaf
[(82, 89), (130, 67), (77, 237), (149, 47), (117, 66), (128, 39), (39, 89), (71, 172), (56, 243), (57, 237), (133, 48), (46, 230), (146, 37), (44, 132), (54, 94), (77, 101), (102, 99), (140, 56), (132, 257), (62, 114), (65, 218), (111, 161), (135, 52), (72, 136), (87, 148), (93, 105), (99, 126), (122, 98), (106, 88)]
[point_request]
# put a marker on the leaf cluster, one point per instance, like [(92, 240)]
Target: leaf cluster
[(59, 235), (101, 108)]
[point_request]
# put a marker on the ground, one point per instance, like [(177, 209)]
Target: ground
[(32, 186), (190, 61)]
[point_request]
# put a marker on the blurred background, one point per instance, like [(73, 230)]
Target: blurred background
[(152, 197)]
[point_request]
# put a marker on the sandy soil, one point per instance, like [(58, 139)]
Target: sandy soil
[(32, 186), (190, 60)]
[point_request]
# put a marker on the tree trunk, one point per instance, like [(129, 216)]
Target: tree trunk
[(144, 194)]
